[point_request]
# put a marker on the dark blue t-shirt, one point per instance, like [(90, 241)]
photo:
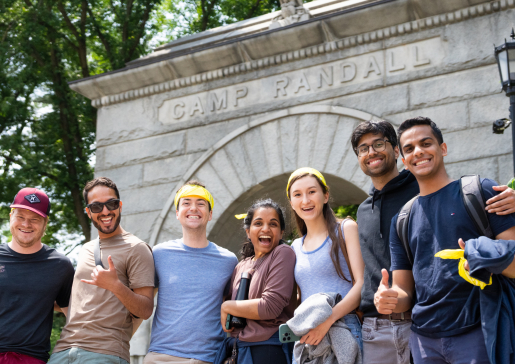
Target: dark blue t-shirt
[(446, 305), (29, 285)]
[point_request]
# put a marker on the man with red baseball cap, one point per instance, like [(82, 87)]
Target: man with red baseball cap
[(33, 277)]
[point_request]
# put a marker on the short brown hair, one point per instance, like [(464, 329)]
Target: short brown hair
[(192, 182), (99, 181)]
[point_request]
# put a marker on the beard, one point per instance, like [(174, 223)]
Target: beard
[(107, 231), (26, 244), (387, 167)]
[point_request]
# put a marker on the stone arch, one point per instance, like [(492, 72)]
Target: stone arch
[(258, 157)]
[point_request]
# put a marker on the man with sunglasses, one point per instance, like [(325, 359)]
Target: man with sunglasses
[(106, 299), (385, 337)]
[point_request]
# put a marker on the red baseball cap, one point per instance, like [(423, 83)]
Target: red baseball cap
[(32, 199)]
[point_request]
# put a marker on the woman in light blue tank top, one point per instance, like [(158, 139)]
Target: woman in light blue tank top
[(321, 265)]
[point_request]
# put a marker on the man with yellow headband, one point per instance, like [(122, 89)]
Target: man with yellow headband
[(192, 274)]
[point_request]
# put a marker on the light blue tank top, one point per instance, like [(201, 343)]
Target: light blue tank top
[(315, 272)]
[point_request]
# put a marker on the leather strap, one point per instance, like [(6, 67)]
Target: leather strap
[(97, 253), (396, 316)]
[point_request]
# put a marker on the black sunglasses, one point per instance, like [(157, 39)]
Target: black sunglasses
[(97, 207)]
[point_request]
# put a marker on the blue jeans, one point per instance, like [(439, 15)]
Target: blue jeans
[(352, 321), (468, 348)]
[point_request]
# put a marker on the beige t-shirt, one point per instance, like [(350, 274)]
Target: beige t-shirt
[(97, 320)]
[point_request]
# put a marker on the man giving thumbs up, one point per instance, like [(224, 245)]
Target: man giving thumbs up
[(396, 299)]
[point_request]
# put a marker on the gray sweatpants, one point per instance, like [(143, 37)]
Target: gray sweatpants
[(385, 341)]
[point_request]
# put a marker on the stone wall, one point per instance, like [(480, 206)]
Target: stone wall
[(268, 104)]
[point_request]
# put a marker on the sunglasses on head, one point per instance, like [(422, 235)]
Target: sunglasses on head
[(97, 207)]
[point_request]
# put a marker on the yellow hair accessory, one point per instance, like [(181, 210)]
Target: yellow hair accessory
[(240, 216), (194, 191), (460, 254), (304, 170)]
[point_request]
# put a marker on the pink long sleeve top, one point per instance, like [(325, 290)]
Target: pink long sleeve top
[(273, 283)]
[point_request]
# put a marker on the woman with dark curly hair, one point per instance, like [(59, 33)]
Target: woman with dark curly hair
[(272, 293)]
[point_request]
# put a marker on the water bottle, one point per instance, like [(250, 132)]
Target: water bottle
[(243, 294)]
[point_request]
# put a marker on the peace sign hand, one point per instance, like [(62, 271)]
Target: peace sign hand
[(104, 278)]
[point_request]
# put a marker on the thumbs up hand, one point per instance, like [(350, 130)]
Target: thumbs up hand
[(385, 299), (104, 278)]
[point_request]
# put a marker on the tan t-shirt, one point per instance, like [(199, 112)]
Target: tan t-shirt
[(97, 320)]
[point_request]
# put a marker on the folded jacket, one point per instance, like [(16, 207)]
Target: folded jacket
[(497, 301), (337, 347)]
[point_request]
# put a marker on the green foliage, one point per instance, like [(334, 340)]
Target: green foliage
[(182, 17), (511, 184), (47, 131), (343, 211), (57, 327)]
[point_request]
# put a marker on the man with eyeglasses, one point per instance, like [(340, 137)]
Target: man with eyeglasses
[(106, 298), (386, 337)]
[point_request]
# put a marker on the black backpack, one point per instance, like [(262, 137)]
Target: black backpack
[(474, 201)]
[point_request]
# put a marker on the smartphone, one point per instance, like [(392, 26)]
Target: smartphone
[(228, 322), (286, 335)]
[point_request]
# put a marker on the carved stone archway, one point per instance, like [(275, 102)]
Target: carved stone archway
[(262, 153)]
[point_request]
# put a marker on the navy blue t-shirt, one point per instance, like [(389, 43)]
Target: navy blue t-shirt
[(29, 285), (446, 305)]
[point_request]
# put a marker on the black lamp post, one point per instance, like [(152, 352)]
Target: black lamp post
[(505, 55)]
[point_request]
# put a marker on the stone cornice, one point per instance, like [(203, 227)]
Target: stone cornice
[(331, 44)]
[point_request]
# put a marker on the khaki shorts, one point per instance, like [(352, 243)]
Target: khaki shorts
[(156, 358)]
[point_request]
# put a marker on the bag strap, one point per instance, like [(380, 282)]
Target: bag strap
[(343, 248), (97, 253), (402, 224), (474, 201)]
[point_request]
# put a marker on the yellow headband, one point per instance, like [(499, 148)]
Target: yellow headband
[(194, 191), (305, 170)]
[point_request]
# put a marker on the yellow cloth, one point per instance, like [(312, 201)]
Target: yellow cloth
[(305, 170), (240, 216), (460, 254), (194, 191)]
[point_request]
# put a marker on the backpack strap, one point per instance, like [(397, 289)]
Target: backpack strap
[(474, 201), (97, 253), (402, 226)]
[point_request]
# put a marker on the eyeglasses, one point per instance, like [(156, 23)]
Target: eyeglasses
[(378, 145), (97, 207)]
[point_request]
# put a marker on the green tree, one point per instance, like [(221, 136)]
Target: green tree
[(47, 131), (182, 17), (44, 44), (344, 211)]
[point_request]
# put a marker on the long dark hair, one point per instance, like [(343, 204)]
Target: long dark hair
[(247, 249), (331, 223)]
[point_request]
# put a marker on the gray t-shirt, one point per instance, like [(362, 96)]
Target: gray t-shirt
[(191, 286), (315, 272)]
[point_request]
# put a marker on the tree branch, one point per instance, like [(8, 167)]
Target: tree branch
[(208, 10), (253, 9), (45, 24), (67, 20), (103, 39), (10, 159), (137, 38)]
